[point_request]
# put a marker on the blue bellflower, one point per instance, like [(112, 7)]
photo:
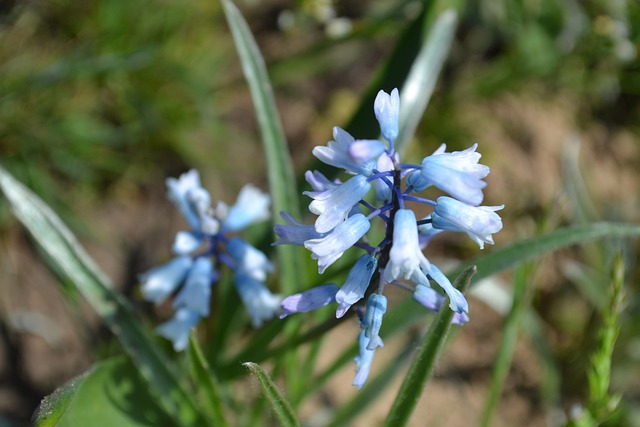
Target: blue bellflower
[(200, 251), (345, 214)]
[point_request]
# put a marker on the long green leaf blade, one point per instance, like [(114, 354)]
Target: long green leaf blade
[(73, 262), (421, 81), (422, 366), (207, 383), (282, 182), (278, 403)]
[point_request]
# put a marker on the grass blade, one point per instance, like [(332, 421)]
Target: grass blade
[(421, 81), (422, 366), (74, 263), (207, 383), (282, 183), (278, 403)]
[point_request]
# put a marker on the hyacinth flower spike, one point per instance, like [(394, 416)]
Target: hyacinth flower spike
[(345, 215), (201, 251)]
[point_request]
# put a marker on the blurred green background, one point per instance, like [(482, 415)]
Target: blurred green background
[(101, 100)]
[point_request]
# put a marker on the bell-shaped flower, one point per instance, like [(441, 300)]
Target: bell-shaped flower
[(365, 150), (363, 361), (177, 329), (294, 233), (186, 242), (252, 206), (309, 300), (336, 153), (260, 303), (387, 110), (457, 301), (478, 222), (329, 248), (249, 260), (160, 282), (457, 173), (356, 284), (376, 307), (383, 191), (405, 257), (333, 206), (178, 191), (432, 300), (196, 292)]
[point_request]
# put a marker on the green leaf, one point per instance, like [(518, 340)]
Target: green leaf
[(421, 81), (514, 254), (111, 393), (278, 403), (282, 183), (422, 366), (207, 383), (70, 259)]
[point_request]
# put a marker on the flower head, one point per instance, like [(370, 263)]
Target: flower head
[(345, 215)]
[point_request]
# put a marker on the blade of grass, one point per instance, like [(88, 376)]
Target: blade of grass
[(521, 298), (279, 404), (422, 366), (74, 263), (207, 383), (421, 81), (282, 184)]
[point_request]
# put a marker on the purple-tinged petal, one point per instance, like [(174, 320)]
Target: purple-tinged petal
[(309, 300), (457, 301), (294, 233), (364, 150), (336, 153)]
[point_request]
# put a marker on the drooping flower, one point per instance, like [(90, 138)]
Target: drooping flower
[(261, 304), (478, 222), (357, 283), (333, 206), (387, 110), (309, 300), (457, 173), (189, 276), (251, 207), (363, 361), (177, 328), (329, 248)]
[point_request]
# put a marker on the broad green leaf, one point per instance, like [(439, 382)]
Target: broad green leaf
[(111, 393), (422, 366), (207, 383), (70, 259), (282, 184), (278, 403), (421, 81)]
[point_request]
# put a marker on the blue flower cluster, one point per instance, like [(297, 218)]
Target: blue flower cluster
[(398, 258), (202, 250)]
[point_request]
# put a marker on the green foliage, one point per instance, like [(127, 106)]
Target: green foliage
[(98, 94), (112, 391)]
